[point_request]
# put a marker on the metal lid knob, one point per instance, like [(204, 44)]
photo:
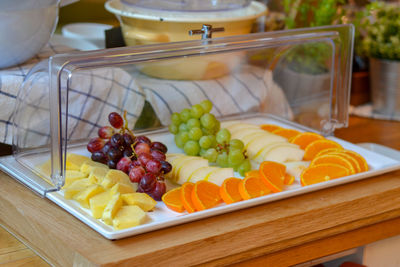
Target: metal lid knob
[(206, 31)]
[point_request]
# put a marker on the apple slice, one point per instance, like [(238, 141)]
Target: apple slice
[(284, 153), (190, 167), (218, 176), (248, 138), (295, 168), (176, 163), (257, 144), (182, 162), (233, 128), (259, 156), (243, 132), (202, 174), (226, 124)]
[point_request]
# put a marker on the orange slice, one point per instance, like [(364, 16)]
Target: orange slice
[(252, 173), (270, 127), (273, 174), (229, 190), (186, 196), (321, 173), (252, 187), (304, 139), (316, 146), (287, 133), (172, 199), (329, 150), (205, 195), (354, 162), (334, 159), (288, 180), (360, 159)]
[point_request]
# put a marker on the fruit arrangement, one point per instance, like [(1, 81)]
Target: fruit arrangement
[(108, 193), (143, 160), (199, 133)]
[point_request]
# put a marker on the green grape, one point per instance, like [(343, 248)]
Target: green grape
[(223, 136), (191, 148), (217, 126), (222, 160), (236, 144), (244, 167), (183, 127), (208, 121), (235, 157), (202, 152), (176, 120), (213, 140), (173, 128), (207, 131), (211, 154), (195, 133), (206, 105), (205, 142), (184, 115), (193, 122), (181, 138), (196, 111)]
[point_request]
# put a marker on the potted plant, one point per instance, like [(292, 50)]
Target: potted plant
[(382, 45), (307, 65)]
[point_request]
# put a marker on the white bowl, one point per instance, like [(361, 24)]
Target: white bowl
[(92, 32), (26, 26)]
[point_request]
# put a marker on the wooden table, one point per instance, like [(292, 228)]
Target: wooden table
[(280, 233)]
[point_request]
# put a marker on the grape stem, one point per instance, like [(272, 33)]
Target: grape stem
[(126, 126)]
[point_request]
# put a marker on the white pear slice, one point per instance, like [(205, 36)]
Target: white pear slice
[(257, 144), (201, 174), (259, 156), (190, 167), (252, 136), (233, 128), (284, 153), (246, 131), (172, 160), (226, 124), (178, 163), (295, 168), (218, 176)]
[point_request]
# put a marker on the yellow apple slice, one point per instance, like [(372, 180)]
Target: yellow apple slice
[(218, 176), (202, 174), (295, 168), (284, 153), (246, 131), (189, 167)]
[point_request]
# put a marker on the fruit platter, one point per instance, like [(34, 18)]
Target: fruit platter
[(122, 183)]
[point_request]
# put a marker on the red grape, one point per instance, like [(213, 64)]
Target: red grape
[(106, 132), (128, 139), (159, 146), (142, 148), (144, 158), (142, 139), (148, 182), (158, 155), (158, 191), (99, 157), (95, 144), (115, 120), (117, 140), (153, 166), (128, 152), (111, 164), (166, 167), (106, 147), (136, 174), (114, 154), (123, 164)]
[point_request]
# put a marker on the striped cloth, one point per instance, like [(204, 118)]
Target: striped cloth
[(93, 94)]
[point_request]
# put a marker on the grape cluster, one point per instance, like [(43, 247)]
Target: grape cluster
[(143, 160), (198, 132)]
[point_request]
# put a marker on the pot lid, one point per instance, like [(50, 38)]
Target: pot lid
[(187, 10)]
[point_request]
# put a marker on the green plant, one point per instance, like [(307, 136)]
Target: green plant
[(381, 26), (311, 58)]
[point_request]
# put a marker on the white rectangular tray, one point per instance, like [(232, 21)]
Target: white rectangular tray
[(163, 217)]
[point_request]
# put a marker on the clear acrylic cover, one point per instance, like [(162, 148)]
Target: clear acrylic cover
[(299, 75)]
